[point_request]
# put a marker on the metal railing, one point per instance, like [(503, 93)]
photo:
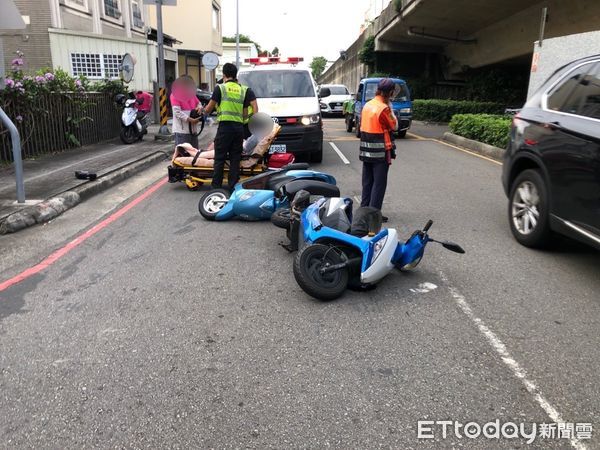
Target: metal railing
[(61, 121)]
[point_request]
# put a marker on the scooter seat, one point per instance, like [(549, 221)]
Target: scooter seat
[(314, 187)]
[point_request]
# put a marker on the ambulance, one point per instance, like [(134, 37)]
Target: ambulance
[(288, 93)]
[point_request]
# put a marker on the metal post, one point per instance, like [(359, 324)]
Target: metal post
[(543, 24), (237, 33), (162, 91), (16, 148)]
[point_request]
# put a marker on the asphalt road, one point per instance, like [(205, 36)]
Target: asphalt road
[(164, 330)]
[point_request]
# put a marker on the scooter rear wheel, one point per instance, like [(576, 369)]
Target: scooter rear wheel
[(323, 286), (212, 203), (129, 134)]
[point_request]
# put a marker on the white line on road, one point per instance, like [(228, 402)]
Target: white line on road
[(340, 154), (512, 364)]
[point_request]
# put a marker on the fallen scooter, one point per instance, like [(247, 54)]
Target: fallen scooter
[(339, 249), (258, 197)]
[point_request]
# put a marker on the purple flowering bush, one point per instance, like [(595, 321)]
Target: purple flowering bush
[(23, 92)]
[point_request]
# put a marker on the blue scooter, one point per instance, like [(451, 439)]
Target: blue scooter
[(339, 249), (259, 197)]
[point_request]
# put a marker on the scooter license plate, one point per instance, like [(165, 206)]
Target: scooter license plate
[(278, 148)]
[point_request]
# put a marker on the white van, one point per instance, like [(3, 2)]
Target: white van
[(289, 95)]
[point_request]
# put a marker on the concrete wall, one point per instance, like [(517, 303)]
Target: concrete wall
[(555, 53), (33, 41), (514, 36), (349, 71), (503, 38)]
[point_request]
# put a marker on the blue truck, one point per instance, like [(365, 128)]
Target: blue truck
[(401, 103)]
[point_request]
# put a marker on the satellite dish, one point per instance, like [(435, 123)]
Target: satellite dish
[(126, 68)]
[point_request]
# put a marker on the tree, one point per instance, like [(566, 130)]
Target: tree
[(317, 66), (275, 51), (245, 39)]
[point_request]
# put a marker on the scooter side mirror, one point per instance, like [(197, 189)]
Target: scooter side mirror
[(452, 247)]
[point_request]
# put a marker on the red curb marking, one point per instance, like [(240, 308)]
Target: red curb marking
[(56, 255)]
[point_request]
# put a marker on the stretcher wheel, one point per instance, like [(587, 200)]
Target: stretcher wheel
[(193, 185)]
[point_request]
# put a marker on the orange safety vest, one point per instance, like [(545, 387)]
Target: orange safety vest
[(374, 139)]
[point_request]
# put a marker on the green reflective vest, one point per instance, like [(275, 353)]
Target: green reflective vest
[(250, 114), (231, 108)]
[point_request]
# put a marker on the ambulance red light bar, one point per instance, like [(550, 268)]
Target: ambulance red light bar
[(262, 60)]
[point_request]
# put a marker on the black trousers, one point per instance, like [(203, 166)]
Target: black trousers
[(228, 146), (374, 183)]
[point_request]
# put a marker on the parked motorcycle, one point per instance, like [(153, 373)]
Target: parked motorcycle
[(339, 249), (258, 197), (134, 123)]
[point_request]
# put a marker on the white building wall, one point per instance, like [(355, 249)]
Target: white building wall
[(63, 43)]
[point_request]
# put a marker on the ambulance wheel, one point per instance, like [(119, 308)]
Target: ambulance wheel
[(307, 270), (317, 156), (212, 203), (281, 218)]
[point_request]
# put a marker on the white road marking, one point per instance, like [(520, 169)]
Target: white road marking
[(507, 359), (340, 154), (424, 288)]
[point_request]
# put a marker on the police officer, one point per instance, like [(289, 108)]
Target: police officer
[(232, 101), (377, 147)]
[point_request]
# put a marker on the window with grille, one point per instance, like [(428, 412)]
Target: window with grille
[(136, 11), (95, 65), (111, 9)]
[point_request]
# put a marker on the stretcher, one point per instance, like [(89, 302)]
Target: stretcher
[(194, 172)]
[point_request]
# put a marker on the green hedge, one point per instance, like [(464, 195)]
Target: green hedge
[(487, 128), (443, 110)]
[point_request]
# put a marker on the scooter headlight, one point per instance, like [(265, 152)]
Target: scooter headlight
[(378, 247), (246, 196)]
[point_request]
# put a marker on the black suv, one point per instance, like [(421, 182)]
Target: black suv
[(551, 171)]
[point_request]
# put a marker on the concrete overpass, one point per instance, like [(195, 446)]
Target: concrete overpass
[(444, 39)]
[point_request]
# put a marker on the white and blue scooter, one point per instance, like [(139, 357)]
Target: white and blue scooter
[(339, 249)]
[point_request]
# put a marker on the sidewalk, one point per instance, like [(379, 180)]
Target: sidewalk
[(51, 176), (428, 130)]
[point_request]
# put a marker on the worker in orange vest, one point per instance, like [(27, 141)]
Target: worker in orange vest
[(377, 147)]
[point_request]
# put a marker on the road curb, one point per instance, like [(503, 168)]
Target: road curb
[(55, 206), (490, 151)]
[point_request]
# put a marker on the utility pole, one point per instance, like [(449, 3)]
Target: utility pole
[(237, 33), (162, 88)]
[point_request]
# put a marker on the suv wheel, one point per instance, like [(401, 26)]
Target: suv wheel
[(528, 213), (357, 128)]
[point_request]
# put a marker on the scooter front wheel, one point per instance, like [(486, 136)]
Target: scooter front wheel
[(281, 218), (212, 203), (308, 266)]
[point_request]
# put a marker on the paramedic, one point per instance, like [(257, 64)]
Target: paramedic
[(231, 101)]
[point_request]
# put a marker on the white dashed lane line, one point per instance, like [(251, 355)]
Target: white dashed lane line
[(340, 154), (507, 359)]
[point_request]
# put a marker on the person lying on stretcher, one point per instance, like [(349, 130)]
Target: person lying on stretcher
[(254, 150)]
